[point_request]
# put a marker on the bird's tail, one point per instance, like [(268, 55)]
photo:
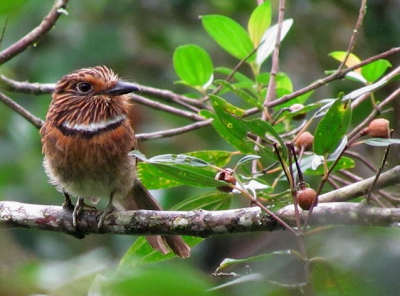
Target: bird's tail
[(140, 198)]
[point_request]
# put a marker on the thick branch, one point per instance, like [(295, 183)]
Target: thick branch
[(198, 223), (206, 223), (143, 222)]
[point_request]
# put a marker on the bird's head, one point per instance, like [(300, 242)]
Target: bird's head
[(90, 95)]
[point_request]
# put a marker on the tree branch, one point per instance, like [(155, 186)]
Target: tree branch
[(37, 33), (36, 121), (203, 223), (199, 223)]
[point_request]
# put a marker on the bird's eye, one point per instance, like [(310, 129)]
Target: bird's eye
[(83, 87)]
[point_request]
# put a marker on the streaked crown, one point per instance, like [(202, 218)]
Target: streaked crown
[(89, 96)]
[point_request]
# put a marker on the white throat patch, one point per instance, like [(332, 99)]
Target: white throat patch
[(93, 127)]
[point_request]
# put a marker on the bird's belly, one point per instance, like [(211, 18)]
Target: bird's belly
[(90, 168)]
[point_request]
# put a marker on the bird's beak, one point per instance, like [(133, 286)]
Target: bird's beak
[(121, 88)]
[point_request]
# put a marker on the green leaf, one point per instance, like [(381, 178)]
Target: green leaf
[(231, 36), (189, 175), (193, 65), (149, 280), (372, 87), (178, 159), (332, 127), (328, 278), (260, 128), (381, 142), (228, 123), (211, 201), (152, 178), (239, 77), (259, 21), (352, 59), (282, 81), (375, 70), (227, 262), (237, 142), (182, 169), (344, 163), (269, 40), (245, 96), (217, 157), (247, 158)]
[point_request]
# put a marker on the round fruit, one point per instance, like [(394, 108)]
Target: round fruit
[(306, 197)]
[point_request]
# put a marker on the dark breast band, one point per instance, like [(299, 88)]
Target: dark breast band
[(88, 134)]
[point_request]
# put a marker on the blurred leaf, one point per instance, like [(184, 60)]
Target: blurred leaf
[(142, 253), (239, 77), (269, 39), (283, 83), (328, 279), (332, 127), (375, 70), (227, 262), (305, 109), (230, 35), (193, 65), (146, 280), (352, 59), (298, 100), (344, 163), (259, 21), (381, 142), (248, 278), (355, 76)]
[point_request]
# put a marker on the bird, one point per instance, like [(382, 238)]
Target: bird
[(86, 140)]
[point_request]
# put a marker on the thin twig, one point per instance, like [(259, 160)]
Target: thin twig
[(27, 87), (36, 34), (37, 122), (271, 91), (169, 96), (385, 156), (166, 108), (174, 131), (376, 111), (361, 14), (334, 76)]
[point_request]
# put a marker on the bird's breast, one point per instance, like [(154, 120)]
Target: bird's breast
[(90, 163)]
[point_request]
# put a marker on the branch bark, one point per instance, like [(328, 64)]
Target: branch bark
[(199, 223), (203, 223)]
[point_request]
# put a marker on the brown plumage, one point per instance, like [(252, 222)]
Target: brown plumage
[(86, 140)]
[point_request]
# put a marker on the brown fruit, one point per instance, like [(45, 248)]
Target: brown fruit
[(306, 197), (306, 139), (227, 176), (379, 128)]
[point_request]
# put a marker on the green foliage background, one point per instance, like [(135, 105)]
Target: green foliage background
[(137, 39)]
